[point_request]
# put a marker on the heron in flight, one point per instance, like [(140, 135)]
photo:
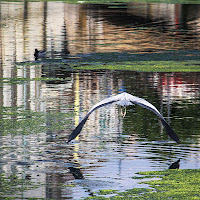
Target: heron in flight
[(124, 99)]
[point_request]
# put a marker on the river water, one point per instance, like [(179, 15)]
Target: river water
[(37, 115)]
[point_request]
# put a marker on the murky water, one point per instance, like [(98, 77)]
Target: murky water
[(38, 115)]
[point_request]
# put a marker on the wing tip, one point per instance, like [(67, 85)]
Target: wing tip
[(178, 141), (70, 138)]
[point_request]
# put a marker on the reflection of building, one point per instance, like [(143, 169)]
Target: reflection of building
[(79, 28), (138, 27), (177, 86), (104, 119)]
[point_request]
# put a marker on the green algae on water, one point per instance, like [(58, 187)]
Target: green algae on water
[(172, 184), (169, 61)]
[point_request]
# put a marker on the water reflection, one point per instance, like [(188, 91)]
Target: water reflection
[(108, 153), (88, 28)]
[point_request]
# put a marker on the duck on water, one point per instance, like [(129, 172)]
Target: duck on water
[(39, 54)]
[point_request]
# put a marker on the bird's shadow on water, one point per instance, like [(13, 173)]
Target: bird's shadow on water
[(76, 172)]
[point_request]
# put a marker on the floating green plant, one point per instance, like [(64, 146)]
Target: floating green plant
[(169, 61), (172, 184), (15, 120), (105, 192), (10, 186), (16, 80)]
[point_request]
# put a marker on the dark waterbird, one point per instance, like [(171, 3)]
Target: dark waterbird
[(175, 165), (125, 99), (39, 54)]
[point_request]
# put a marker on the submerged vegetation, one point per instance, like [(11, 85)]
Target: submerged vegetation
[(170, 61), (10, 186), (16, 121), (169, 184)]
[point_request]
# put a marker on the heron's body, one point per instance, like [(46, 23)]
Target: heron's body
[(125, 99)]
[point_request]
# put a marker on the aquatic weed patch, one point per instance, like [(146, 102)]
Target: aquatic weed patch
[(105, 192), (175, 184), (169, 61), (172, 184), (16, 80), (146, 66), (15, 121), (12, 186), (172, 61)]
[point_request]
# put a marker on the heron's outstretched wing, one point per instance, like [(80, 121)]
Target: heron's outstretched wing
[(102, 103), (125, 99), (146, 104)]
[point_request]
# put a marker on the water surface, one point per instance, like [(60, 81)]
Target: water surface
[(37, 114)]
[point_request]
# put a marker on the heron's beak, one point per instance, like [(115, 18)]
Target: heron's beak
[(123, 113)]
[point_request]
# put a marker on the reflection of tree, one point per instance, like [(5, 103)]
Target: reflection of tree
[(187, 119), (144, 122)]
